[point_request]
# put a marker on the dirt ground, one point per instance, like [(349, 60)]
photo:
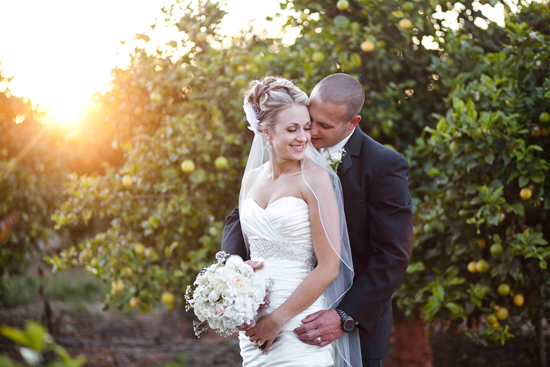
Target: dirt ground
[(112, 338)]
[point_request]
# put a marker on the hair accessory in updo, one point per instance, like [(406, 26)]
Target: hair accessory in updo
[(252, 117)]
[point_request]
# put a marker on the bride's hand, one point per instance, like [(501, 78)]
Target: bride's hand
[(266, 330)]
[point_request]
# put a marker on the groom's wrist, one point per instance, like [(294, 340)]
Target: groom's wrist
[(347, 323)]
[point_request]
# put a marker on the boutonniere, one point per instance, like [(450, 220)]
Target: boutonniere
[(336, 158)]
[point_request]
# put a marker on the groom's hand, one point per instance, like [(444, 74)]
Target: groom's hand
[(324, 324), (255, 264)]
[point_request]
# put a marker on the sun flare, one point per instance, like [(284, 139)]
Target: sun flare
[(61, 52)]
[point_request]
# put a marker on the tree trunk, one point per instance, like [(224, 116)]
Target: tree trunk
[(541, 343), (412, 345), (47, 317)]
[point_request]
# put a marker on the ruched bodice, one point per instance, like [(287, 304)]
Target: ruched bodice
[(280, 236), (286, 219)]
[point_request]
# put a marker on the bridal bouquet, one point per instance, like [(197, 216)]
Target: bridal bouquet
[(226, 295)]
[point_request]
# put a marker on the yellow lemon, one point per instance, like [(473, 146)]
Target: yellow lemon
[(502, 313), (503, 289), (127, 181), (139, 248), (187, 166), (342, 4), (518, 300), (167, 298), (134, 302), (491, 319), (368, 46), (482, 266), (221, 162), (526, 193), (405, 23)]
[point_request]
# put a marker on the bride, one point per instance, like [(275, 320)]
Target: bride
[(292, 216)]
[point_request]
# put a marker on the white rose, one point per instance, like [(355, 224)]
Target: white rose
[(234, 261), (336, 157), (239, 283), (213, 296)]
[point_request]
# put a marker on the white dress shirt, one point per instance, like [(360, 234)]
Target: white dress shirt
[(338, 146)]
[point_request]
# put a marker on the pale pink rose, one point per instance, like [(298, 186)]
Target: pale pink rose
[(218, 311), (239, 282)]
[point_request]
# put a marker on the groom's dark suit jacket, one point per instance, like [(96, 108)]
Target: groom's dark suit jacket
[(379, 217)]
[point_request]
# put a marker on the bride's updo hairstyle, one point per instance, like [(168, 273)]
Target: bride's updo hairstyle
[(271, 95)]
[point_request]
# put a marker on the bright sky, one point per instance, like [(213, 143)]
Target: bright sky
[(60, 52)]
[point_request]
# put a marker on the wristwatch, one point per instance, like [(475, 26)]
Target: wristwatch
[(347, 322)]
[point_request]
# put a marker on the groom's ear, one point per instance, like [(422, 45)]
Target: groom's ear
[(352, 124)]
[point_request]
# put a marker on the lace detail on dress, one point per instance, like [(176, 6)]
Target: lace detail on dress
[(282, 250)]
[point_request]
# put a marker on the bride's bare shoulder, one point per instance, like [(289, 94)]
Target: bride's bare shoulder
[(316, 179)]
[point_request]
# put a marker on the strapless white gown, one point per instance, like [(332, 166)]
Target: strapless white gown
[(280, 236)]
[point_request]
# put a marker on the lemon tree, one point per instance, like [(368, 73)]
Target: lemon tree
[(33, 166), (482, 194)]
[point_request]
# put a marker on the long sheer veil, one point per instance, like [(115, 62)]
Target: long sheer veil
[(347, 351)]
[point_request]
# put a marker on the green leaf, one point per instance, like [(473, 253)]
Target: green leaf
[(341, 21), (456, 310), (35, 335), (414, 267), (6, 361), (15, 334), (518, 209), (523, 181), (489, 158), (439, 292), (431, 308), (434, 171)]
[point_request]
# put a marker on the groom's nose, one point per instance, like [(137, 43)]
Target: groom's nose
[(314, 130)]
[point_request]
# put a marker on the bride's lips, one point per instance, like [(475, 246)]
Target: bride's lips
[(298, 148)]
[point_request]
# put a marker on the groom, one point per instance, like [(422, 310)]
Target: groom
[(378, 212)]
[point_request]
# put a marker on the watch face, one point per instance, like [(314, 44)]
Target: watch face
[(349, 325)]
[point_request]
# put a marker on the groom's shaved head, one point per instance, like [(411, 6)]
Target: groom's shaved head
[(341, 89)]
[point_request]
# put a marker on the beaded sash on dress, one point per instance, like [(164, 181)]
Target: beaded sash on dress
[(282, 250)]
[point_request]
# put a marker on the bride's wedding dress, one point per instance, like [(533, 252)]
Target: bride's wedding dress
[(280, 236)]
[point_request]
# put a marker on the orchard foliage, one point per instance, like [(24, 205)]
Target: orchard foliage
[(32, 171), (379, 43), (480, 173)]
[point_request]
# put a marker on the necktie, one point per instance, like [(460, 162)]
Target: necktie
[(326, 153)]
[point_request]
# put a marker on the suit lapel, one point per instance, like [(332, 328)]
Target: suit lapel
[(344, 166), (353, 148)]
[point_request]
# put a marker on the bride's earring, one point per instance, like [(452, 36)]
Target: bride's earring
[(268, 147)]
